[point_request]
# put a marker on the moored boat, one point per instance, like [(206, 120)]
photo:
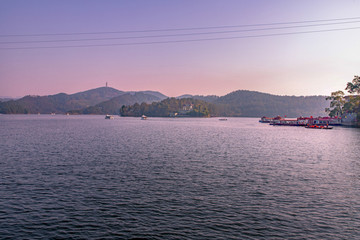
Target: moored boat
[(109, 117), (270, 120), (143, 117), (303, 121), (319, 126), (285, 122)]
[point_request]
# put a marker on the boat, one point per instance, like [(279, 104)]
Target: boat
[(319, 126), (109, 117), (288, 122), (222, 119), (265, 119), (143, 117), (322, 121)]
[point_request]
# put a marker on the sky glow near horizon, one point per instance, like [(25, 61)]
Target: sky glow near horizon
[(299, 64)]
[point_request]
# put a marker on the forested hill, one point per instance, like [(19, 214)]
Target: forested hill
[(59, 103), (106, 100), (62, 103), (256, 104), (240, 103), (184, 107), (113, 105)]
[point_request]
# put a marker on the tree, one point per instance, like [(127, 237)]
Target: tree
[(354, 86), (353, 101), (337, 104), (342, 104)]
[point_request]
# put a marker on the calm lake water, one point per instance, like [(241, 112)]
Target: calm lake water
[(84, 177)]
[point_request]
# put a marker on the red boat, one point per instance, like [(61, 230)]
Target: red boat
[(319, 126)]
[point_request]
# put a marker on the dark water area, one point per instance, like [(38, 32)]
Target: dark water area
[(84, 177)]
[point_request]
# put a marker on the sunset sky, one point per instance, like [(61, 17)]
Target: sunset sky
[(43, 52)]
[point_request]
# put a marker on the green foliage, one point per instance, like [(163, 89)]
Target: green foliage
[(353, 101), (236, 104), (336, 104), (352, 105), (186, 107), (342, 104), (354, 86)]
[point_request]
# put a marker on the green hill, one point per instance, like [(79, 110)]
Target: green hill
[(58, 103), (113, 105), (86, 102), (184, 107), (240, 103), (106, 100), (153, 93), (256, 104)]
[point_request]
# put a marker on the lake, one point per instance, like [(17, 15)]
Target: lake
[(84, 177)]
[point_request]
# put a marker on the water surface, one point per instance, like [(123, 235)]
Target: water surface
[(84, 177)]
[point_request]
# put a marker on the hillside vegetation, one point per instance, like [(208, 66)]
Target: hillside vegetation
[(106, 100), (113, 105), (82, 101), (185, 107), (255, 104), (236, 104)]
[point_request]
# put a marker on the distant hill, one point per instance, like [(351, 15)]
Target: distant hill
[(208, 98), (97, 95), (256, 104), (5, 99), (82, 101), (113, 105), (154, 93), (184, 107), (240, 103), (59, 103), (106, 100), (185, 96)]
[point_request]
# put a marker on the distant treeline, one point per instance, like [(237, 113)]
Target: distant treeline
[(106, 100), (236, 104), (185, 107)]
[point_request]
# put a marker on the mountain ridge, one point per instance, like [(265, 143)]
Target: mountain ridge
[(107, 100), (113, 105), (62, 102)]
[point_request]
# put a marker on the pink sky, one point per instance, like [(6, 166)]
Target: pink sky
[(300, 64)]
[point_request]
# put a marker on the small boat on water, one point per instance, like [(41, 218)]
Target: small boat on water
[(222, 119), (109, 117), (265, 119), (143, 117), (319, 126)]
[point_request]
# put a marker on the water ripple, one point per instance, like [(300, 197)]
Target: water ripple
[(81, 177)]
